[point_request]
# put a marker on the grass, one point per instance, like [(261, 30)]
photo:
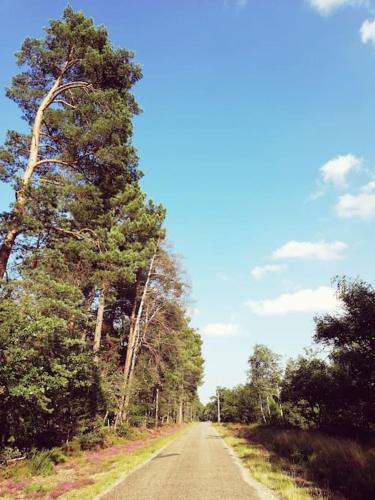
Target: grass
[(298, 464), (81, 474), (118, 466), (269, 469)]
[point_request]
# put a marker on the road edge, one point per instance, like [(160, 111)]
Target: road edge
[(263, 491)]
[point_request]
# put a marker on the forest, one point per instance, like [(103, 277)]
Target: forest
[(94, 329), (314, 416), (96, 341), (330, 387)]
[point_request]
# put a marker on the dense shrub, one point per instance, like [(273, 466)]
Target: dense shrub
[(93, 439), (58, 456)]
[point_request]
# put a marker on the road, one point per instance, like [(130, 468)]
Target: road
[(196, 466)]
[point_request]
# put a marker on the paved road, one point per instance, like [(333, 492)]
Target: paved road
[(197, 466)]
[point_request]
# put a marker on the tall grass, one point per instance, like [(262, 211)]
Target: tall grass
[(340, 465)]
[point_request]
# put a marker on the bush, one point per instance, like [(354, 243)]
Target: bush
[(72, 448), (9, 453), (41, 463), (58, 456), (124, 431), (93, 439)]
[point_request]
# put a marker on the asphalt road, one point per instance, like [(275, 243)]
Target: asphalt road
[(196, 466)]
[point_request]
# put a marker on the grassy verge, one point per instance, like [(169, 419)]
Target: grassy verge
[(299, 464), (119, 465), (83, 474)]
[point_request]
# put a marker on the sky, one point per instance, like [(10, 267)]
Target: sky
[(258, 137)]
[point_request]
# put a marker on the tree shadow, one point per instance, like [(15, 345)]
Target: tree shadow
[(167, 455)]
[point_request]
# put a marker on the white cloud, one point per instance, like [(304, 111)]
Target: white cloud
[(361, 205), (367, 31), (260, 271), (336, 171), (220, 329), (369, 188), (322, 299), (319, 250), (326, 7)]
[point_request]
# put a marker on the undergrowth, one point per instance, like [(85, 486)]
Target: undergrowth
[(341, 468)]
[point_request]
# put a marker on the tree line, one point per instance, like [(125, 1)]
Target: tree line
[(330, 387), (93, 323)]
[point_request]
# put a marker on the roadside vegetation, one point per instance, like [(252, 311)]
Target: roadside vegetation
[(310, 426), (73, 472), (298, 464), (95, 340)]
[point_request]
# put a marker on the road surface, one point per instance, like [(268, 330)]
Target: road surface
[(196, 466)]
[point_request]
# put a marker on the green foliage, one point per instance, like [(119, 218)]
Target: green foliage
[(46, 370), (90, 440), (85, 236), (57, 456), (9, 453), (41, 463)]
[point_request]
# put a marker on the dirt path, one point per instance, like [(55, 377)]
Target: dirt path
[(197, 466)]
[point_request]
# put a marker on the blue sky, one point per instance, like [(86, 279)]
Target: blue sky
[(258, 136)]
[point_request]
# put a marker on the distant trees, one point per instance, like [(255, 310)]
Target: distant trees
[(93, 323), (335, 392)]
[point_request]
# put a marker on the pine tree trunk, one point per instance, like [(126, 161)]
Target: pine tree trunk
[(168, 411), (21, 194), (218, 408), (157, 408), (99, 322), (180, 410), (131, 351)]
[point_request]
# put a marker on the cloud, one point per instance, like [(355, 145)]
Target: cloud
[(319, 250), (260, 271), (220, 329), (367, 31), (336, 171), (326, 7), (322, 299), (361, 205)]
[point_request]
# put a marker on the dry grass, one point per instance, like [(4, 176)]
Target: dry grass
[(303, 464)]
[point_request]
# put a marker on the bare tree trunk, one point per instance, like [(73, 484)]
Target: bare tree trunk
[(132, 348), (261, 409), (180, 409), (99, 322), (218, 407), (33, 163), (157, 407), (280, 405), (268, 406)]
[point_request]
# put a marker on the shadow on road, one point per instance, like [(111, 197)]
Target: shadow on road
[(167, 455)]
